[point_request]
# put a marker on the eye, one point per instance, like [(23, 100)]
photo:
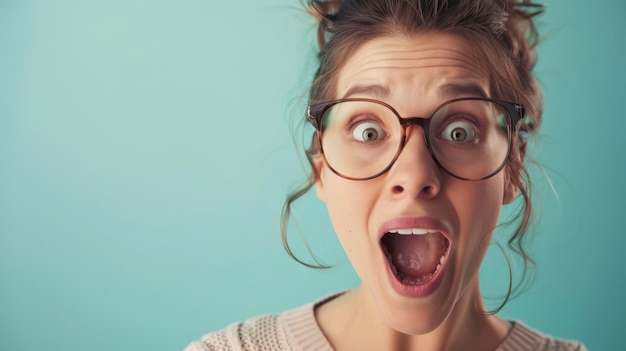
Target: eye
[(459, 131), (368, 131)]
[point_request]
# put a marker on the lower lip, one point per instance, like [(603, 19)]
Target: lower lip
[(416, 290)]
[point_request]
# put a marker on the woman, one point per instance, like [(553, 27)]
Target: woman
[(422, 110)]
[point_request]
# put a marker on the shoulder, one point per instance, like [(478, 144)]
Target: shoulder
[(523, 337), (259, 333), (295, 329)]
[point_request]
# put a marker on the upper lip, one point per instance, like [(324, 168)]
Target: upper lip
[(423, 222)]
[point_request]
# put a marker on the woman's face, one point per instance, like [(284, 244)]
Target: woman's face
[(414, 75)]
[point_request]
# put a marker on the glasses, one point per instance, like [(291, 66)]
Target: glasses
[(469, 138)]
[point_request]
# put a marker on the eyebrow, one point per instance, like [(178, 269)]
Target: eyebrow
[(448, 91), (377, 91), (453, 90)]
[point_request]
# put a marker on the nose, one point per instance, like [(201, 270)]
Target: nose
[(415, 173)]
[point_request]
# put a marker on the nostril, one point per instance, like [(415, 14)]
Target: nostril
[(398, 189), (429, 190)]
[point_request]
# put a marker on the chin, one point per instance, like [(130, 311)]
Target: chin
[(412, 315)]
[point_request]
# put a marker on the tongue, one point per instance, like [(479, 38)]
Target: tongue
[(415, 256)]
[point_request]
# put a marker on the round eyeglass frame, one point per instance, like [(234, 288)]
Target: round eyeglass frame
[(515, 114)]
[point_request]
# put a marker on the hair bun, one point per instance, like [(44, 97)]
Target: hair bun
[(325, 13), (522, 34)]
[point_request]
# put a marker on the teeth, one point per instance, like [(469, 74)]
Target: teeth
[(443, 257), (414, 231)]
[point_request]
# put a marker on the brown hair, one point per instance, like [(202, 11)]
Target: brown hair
[(501, 31)]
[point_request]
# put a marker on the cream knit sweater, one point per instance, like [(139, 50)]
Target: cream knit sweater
[(297, 329)]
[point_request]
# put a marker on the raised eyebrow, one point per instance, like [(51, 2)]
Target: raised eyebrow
[(375, 90), (449, 90), (454, 90)]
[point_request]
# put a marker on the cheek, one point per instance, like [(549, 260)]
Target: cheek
[(478, 210), (349, 205), (477, 206)]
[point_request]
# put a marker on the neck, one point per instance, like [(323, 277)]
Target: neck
[(352, 321)]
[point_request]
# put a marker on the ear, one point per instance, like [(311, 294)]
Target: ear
[(512, 176), (318, 179)]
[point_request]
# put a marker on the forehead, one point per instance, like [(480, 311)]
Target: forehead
[(429, 65)]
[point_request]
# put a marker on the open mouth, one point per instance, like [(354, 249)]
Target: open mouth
[(415, 255)]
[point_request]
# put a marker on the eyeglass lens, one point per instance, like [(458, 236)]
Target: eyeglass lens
[(468, 138)]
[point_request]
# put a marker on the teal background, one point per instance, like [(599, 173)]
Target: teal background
[(145, 153)]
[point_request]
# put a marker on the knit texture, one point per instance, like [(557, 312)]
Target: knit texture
[(297, 330)]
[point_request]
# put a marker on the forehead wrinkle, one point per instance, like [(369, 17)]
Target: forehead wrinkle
[(452, 84), (409, 67), (388, 62), (411, 63), (399, 50), (390, 52), (408, 63)]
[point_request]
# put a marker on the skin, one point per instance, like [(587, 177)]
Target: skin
[(413, 71)]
